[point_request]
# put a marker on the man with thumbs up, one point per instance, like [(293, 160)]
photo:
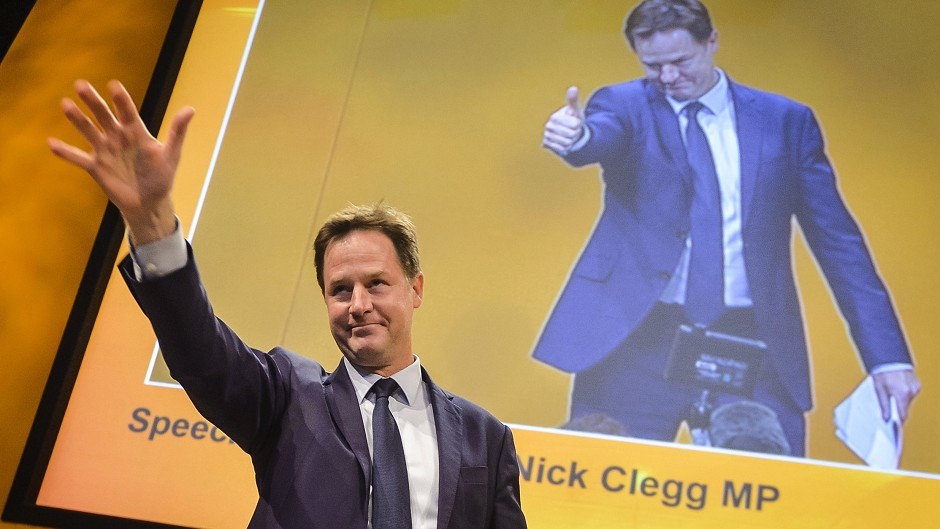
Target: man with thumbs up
[(703, 177)]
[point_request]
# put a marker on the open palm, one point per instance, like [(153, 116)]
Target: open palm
[(134, 170)]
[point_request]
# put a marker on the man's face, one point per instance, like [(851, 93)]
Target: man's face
[(677, 64), (369, 300)]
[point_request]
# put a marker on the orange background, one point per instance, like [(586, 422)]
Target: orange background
[(49, 213)]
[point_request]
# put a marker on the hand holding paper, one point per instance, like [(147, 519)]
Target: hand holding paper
[(859, 424)]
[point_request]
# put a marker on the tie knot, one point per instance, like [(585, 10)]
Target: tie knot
[(384, 387), (692, 109)]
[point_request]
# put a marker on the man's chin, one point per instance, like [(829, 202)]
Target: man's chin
[(678, 95), (364, 352)]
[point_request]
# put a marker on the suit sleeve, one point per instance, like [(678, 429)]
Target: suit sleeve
[(239, 389), (839, 247), (608, 128)]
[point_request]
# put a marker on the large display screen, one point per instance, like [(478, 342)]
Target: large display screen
[(437, 108)]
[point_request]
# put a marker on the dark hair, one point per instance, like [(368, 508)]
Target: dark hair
[(377, 217), (653, 16)]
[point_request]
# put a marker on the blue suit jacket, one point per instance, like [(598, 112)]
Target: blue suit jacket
[(640, 235), (302, 426)]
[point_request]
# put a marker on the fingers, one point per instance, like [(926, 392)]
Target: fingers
[(177, 134), (124, 106), (81, 122), (903, 385), (884, 401), (559, 143), (562, 130), (122, 127), (573, 105), (566, 126), (904, 396), (70, 153), (97, 105)]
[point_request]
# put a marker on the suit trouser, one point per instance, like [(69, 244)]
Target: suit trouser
[(628, 385)]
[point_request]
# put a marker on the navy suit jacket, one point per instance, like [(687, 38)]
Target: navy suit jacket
[(302, 426), (640, 234)]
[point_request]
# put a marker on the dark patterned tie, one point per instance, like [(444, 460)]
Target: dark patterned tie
[(704, 298), (391, 502)]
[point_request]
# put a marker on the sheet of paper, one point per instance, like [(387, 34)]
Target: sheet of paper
[(859, 425)]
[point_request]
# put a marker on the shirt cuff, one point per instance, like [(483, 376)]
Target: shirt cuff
[(582, 141), (161, 257), (892, 366)]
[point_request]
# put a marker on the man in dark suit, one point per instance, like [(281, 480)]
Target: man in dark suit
[(373, 444), (702, 178)]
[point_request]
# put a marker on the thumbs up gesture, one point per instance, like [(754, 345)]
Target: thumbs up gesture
[(565, 127)]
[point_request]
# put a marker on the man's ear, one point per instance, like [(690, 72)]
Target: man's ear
[(712, 41), (417, 289)]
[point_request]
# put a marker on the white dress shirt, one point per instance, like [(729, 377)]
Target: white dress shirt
[(411, 408)]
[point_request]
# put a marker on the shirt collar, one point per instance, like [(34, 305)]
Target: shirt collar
[(715, 100), (408, 379)]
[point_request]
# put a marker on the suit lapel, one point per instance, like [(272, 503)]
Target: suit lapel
[(344, 407), (667, 131), (449, 442), (750, 136)]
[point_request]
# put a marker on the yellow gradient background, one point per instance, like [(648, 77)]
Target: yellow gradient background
[(437, 109)]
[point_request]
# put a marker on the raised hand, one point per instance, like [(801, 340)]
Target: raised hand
[(134, 170), (565, 127)]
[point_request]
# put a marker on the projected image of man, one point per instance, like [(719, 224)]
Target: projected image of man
[(702, 178)]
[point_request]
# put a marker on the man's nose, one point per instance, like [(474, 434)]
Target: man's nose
[(361, 301), (668, 74)]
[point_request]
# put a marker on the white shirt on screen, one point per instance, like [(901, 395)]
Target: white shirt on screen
[(717, 120)]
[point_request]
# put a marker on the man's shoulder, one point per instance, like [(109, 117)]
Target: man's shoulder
[(633, 89), (469, 406), (469, 411), (744, 94), (298, 365)]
